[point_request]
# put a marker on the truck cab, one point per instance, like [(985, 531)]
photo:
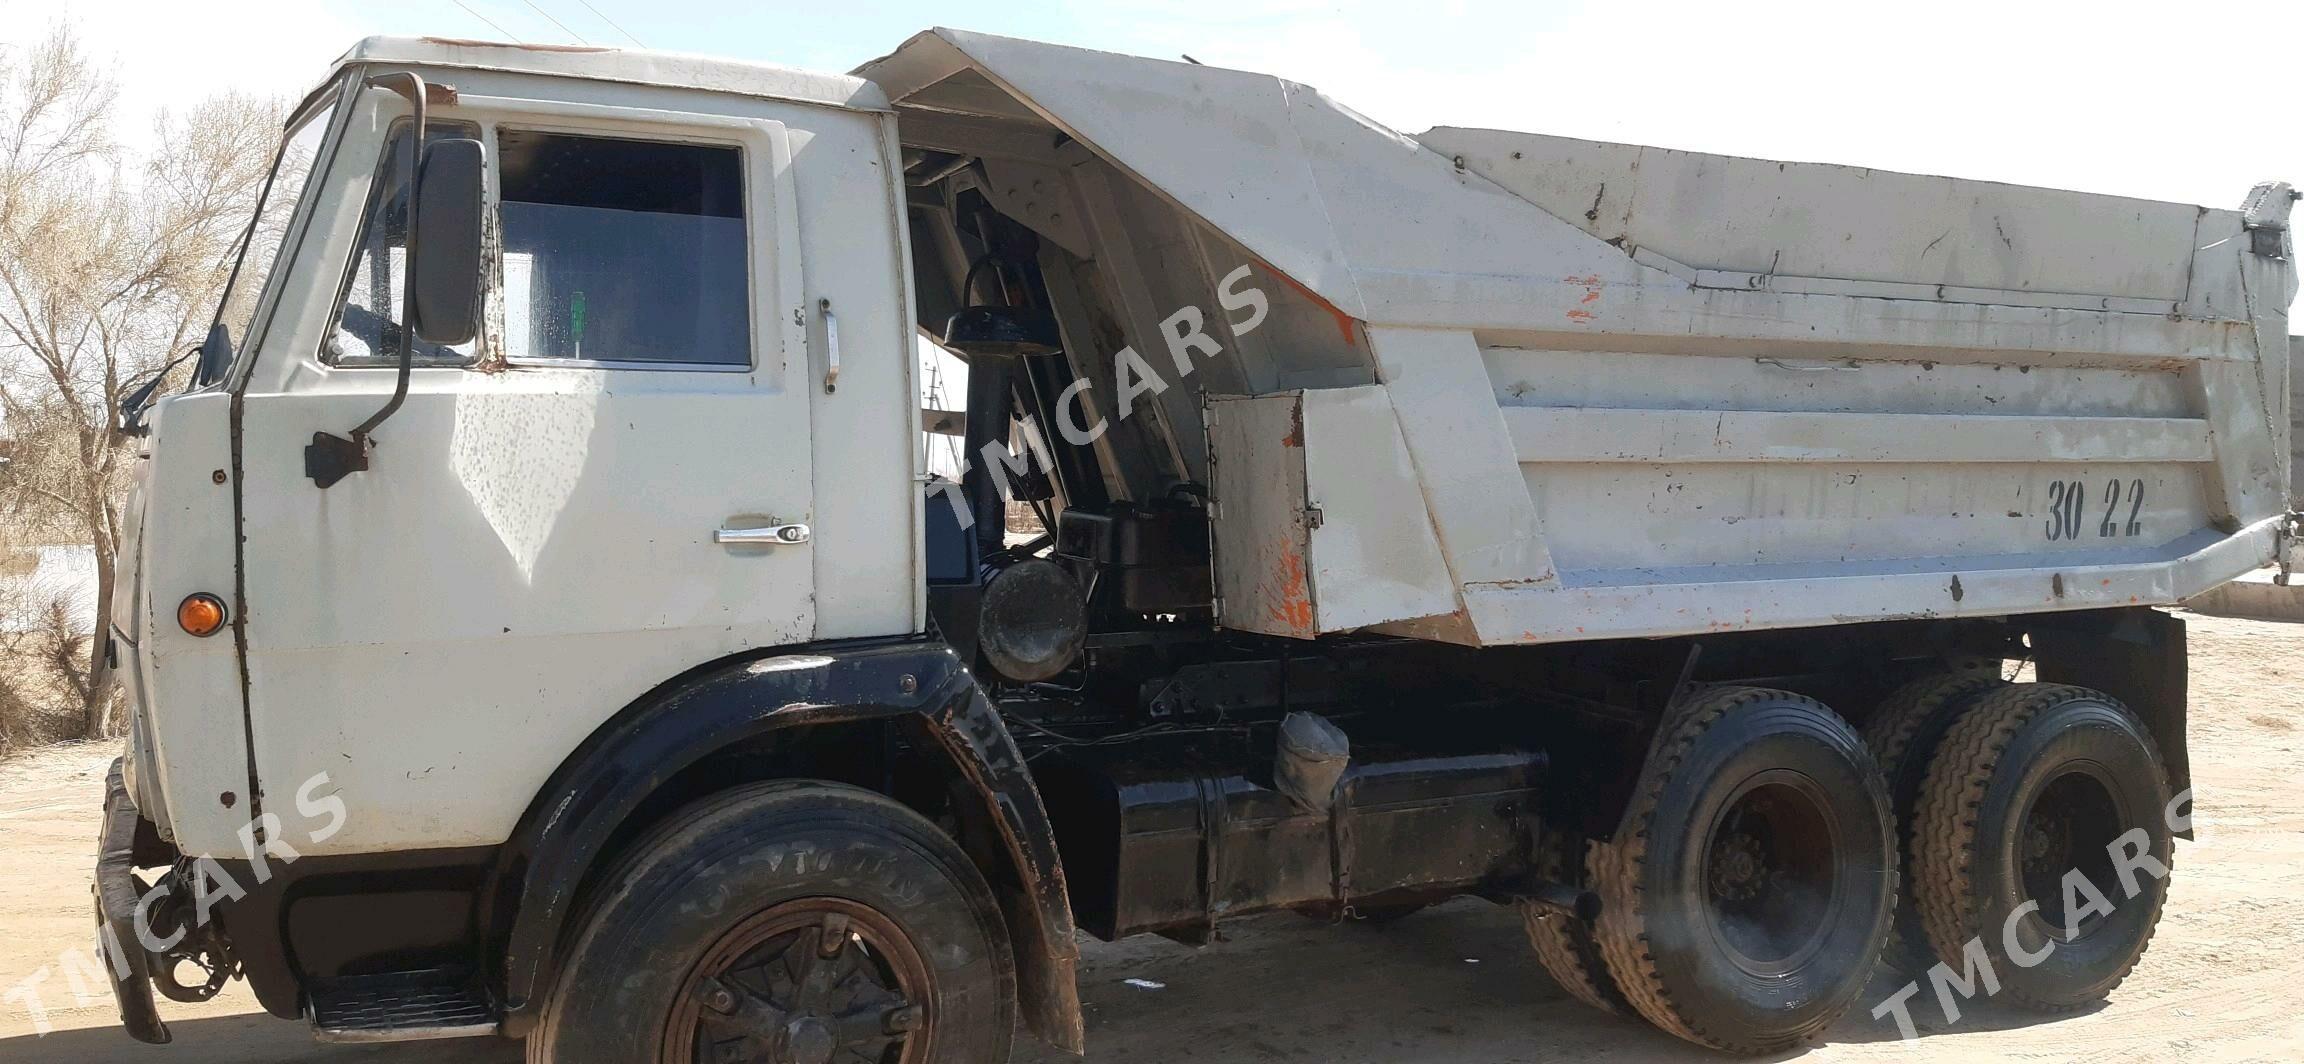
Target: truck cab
[(540, 610)]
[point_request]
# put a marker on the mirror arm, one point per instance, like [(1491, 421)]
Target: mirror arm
[(330, 458), (412, 87)]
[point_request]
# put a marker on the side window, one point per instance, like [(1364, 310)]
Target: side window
[(627, 252), (367, 331)]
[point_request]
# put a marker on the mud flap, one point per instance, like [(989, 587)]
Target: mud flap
[(1040, 914), (116, 899), (2135, 655)]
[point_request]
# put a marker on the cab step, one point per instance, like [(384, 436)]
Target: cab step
[(401, 1007)]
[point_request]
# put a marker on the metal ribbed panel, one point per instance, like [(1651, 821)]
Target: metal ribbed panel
[(400, 1007)]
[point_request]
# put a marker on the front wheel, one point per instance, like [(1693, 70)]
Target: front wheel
[(1748, 894), (787, 923)]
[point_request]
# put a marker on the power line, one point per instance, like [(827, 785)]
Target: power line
[(612, 22), (491, 22), (563, 26)]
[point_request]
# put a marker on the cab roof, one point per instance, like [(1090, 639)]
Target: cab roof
[(669, 69)]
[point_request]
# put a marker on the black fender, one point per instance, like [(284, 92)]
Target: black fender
[(568, 826), (2136, 654)]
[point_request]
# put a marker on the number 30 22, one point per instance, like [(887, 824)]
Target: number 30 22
[(2068, 509)]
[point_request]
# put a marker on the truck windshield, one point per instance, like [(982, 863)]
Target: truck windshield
[(259, 252)]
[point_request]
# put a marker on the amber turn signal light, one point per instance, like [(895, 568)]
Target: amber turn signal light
[(201, 614)]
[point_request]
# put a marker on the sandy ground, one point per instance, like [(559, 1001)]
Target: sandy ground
[(2224, 979)]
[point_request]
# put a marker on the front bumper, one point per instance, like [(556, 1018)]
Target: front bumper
[(117, 894)]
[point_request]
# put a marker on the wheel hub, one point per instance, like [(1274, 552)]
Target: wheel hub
[(808, 981), (2068, 829), (1739, 868), (2040, 846), (1768, 873), (809, 1041)]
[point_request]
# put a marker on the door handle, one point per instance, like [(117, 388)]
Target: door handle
[(831, 347), (761, 536)]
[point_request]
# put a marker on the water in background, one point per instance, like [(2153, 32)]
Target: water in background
[(67, 572)]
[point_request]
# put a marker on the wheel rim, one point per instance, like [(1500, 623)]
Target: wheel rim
[(807, 981), (1771, 887), (2069, 827)]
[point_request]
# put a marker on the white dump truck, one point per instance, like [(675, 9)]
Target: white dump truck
[(541, 621)]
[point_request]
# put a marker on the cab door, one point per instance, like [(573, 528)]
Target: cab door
[(611, 486)]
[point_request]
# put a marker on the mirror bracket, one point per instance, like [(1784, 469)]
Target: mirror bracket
[(330, 458)]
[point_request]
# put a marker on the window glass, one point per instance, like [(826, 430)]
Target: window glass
[(291, 173), (368, 320), (626, 251)]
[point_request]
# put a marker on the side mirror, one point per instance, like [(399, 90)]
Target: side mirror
[(444, 255), (442, 291), (215, 354)]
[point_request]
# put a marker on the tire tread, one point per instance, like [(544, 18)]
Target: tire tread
[(1567, 948), (1947, 827), (1891, 734), (836, 802), (1615, 870)]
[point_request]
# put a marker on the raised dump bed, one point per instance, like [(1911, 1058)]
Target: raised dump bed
[(1520, 388)]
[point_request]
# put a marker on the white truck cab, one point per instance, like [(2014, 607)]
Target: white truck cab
[(540, 620), (695, 311), (541, 522)]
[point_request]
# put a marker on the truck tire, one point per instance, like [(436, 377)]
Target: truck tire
[(1903, 735), (1564, 945), (1749, 890), (787, 920), (2035, 783)]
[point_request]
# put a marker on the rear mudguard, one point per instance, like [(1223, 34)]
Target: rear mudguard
[(567, 828), (2135, 654)]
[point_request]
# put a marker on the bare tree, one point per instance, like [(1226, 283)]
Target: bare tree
[(108, 268)]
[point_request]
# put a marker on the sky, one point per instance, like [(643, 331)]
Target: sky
[(2191, 102)]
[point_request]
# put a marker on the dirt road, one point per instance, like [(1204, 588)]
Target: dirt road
[(2224, 980)]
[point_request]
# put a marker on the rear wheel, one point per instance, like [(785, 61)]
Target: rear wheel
[(2043, 837), (1903, 735), (1747, 897), (1565, 945), (787, 923)]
